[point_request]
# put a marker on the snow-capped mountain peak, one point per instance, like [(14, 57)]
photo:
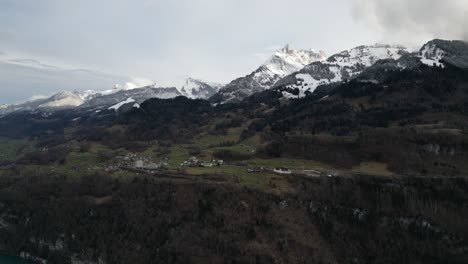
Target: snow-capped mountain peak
[(134, 84), (339, 67), (195, 89), (367, 55), (65, 99), (287, 60), (283, 62), (431, 54)]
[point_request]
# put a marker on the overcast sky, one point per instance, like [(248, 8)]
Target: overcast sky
[(215, 40)]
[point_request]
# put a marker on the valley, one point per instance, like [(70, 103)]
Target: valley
[(364, 164)]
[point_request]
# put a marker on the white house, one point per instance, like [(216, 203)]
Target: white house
[(282, 170)]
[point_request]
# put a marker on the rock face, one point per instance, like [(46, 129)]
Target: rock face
[(338, 68), (283, 63)]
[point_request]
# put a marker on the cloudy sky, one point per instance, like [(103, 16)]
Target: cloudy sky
[(111, 41)]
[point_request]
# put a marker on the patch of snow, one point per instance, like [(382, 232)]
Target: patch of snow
[(431, 55), (289, 95), (432, 63), (118, 105), (136, 105)]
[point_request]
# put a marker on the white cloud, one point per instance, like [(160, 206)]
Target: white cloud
[(37, 97), (136, 82)]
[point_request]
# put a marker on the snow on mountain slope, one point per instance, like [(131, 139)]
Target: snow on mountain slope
[(91, 99), (134, 83), (339, 67), (438, 52), (366, 55), (282, 63), (197, 89), (65, 99), (192, 88), (118, 105), (138, 95), (432, 55), (61, 100), (286, 60)]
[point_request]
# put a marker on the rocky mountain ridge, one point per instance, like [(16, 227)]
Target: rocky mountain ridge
[(284, 62)]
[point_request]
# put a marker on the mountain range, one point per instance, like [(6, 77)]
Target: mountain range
[(339, 67), (295, 73), (98, 100)]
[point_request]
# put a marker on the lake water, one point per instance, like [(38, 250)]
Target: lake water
[(4, 259)]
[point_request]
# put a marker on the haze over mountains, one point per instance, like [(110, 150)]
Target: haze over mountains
[(296, 73), (18, 75)]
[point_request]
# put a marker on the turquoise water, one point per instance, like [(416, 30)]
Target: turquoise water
[(4, 259)]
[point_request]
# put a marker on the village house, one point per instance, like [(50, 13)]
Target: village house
[(282, 170), (256, 169)]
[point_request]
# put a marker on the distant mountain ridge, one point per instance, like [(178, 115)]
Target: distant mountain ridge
[(294, 73), (98, 100), (371, 63), (19, 76)]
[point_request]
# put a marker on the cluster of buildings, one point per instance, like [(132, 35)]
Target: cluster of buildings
[(281, 170), (195, 162), (150, 166), (133, 161), (256, 169)]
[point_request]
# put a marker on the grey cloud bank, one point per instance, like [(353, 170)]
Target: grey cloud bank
[(412, 22)]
